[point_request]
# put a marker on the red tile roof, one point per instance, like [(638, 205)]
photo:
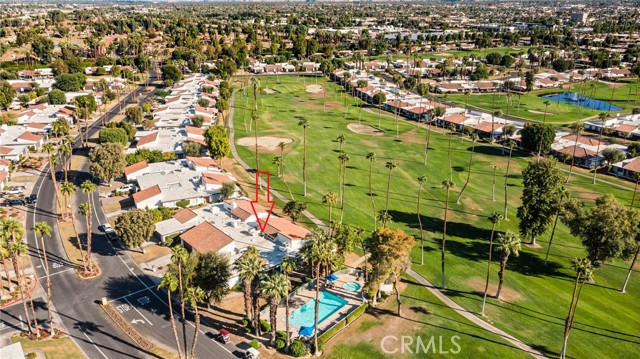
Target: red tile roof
[(3, 175), (39, 126), (28, 136), (146, 194), (626, 128), (147, 139), (584, 140), (216, 178), (244, 209), (456, 118), (5, 150), (286, 228), (135, 167), (486, 127), (184, 215), (633, 165), (205, 238), (194, 130), (580, 152), (203, 161)]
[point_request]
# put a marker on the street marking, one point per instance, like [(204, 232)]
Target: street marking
[(123, 308), (56, 265), (91, 341), (58, 272), (144, 300), (136, 309), (126, 295), (137, 321), (21, 322)]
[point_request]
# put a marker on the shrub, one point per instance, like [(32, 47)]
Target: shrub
[(255, 344), (635, 110), (265, 326), (183, 203), (356, 313), (280, 343), (298, 349), (281, 334), (330, 333)]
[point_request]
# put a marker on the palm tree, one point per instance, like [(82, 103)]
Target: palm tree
[(255, 86), (344, 158), (510, 144), (546, 105), (273, 288), (584, 270), (452, 130), (249, 268), (88, 187), (421, 181), (448, 185), (255, 118), (564, 195), (42, 229), (288, 265), (495, 113), (508, 243), (495, 219), (635, 189), (390, 165), (13, 232), (5, 254), (474, 138), (633, 263), (278, 161), (194, 295), (371, 156), (305, 124), (48, 148), (341, 139), (362, 84), (576, 129), (67, 189), (64, 152), (330, 198), (602, 116), (179, 256), (170, 284)]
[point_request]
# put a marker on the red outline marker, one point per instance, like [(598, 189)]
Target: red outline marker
[(263, 226)]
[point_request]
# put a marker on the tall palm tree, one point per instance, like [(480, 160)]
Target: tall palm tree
[(88, 187), (390, 165), (255, 86), (341, 139), (421, 181), (5, 254), (474, 138), (564, 195), (495, 219), (170, 284), (255, 118), (508, 244), (13, 232), (278, 161), (305, 124), (633, 263), (584, 270), (371, 156), (289, 265), (452, 130), (249, 268), (48, 148), (362, 84), (510, 144), (330, 198), (194, 295), (179, 256), (576, 129), (274, 287), (602, 116), (447, 185), (344, 158), (42, 229), (64, 152), (495, 113), (67, 189)]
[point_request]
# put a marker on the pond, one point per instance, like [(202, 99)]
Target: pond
[(573, 98)]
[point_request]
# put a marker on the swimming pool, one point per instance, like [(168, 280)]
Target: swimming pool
[(305, 315), (573, 98), (352, 286)]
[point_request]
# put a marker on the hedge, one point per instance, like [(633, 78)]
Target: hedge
[(357, 313)]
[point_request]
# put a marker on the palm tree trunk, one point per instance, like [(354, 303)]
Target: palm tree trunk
[(373, 202), (553, 233), (315, 321), (444, 236), (304, 162), (196, 331), (386, 209), (89, 233), (626, 279), (398, 294), (449, 155), (426, 142), (6, 273), (35, 318), (173, 324), (486, 285), (256, 306), (503, 266), (420, 223), (342, 190), (46, 270), (635, 190), (255, 133), (567, 321), (53, 180), (247, 300), (21, 284), (286, 318), (473, 144), (506, 183), (573, 158), (184, 318), (273, 318)]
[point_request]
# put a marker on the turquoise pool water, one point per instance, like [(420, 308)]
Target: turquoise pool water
[(573, 98), (352, 286), (305, 315)]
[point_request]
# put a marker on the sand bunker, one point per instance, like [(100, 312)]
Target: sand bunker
[(314, 89), (542, 112), (270, 91), (266, 142), (364, 129)]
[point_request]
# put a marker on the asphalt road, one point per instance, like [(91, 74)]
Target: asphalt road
[(122, 282)]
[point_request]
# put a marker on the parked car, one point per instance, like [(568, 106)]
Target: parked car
[(15, 190), (15, 202), (32, 198), (126, 189), (224, 336), (108, 231), (251, 353)]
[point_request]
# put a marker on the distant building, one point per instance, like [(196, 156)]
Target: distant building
[(580, 17)]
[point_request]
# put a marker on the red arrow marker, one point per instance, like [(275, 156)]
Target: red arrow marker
[(262, 226)]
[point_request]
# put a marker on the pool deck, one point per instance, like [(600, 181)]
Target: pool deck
[(305, 294)]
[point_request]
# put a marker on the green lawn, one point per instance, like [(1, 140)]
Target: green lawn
[(539, 294), (63, 348), (531, 106), (479, 53), (424, 317)]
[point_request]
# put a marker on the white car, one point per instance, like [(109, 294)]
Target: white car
[(15, 190), (126, 189)]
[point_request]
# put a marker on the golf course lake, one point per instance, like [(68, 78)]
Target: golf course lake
[(582, 101)]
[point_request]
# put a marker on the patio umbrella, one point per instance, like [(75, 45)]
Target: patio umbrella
[(306, 331), (331, 277)]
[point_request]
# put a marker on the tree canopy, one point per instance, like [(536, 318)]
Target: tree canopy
[(107, 161), (134, 227)]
